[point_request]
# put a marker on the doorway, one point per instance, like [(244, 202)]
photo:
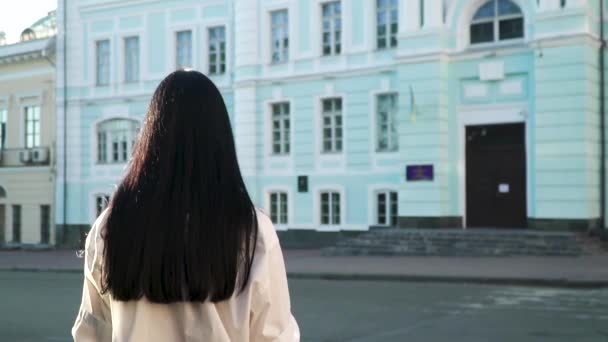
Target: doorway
[(496, 176)]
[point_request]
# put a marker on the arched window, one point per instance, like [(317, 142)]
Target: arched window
[(115, 140), (28, 34), (497, 20)]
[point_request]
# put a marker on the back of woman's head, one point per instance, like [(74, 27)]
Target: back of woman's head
[(181, 226)]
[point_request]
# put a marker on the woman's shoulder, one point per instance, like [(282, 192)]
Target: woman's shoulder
[(267, 236)]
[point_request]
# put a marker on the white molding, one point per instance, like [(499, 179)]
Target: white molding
[(324, 158), (372, 202), (279, 188), (317, 190), (269, 157), (488, 115)]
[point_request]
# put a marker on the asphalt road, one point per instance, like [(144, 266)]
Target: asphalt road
[(42, 307)]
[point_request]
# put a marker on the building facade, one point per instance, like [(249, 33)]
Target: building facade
[(353, 113), (27, 136)]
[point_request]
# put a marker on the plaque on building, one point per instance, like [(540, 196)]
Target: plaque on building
[(302, 183), (419, 173)]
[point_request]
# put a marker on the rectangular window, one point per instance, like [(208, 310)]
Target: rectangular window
[(387, 25), (102, 153), (482, 32), (278, 207), (279, 29), (103, 62), (131, 59), (332, 125), (45, 224), (280, 128), (32, 126), (332, 28), (183, 49), (217, 50), (16, 223), (3, 115), (330, 208), (387, 208), (101, 203), (386, 123)]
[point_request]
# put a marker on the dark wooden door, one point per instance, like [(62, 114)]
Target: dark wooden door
[(496, 176)]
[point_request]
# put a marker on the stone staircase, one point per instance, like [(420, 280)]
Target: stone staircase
[(459, 242)]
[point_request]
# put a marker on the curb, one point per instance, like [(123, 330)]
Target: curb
[(405, 278)]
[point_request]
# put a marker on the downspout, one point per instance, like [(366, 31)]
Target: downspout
[(602, 125), (65, 121)]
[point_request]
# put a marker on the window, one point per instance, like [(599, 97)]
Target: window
[(183, 49), (279, 28), (332, 125), (280, 128), (32, 126), (421, 8), (386, 123), (2, 222), (217, 50), (387, 23), (562, 3), (330, 208), (387, 208), (497, 20), (115, 140), (332, 28), (278, 207), (3, 114), (45, 224), (101, 203), (131, 59), (16, 223), (103, 62)]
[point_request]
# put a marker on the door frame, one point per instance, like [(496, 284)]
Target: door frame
[(490, 115)]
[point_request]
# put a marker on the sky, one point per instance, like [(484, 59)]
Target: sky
[(17, 15)]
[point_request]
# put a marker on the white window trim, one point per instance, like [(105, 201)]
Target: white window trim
[(321, 157), (467, 20), (266, 33), (28, 100), (374, 27), (372, 201), (316, 23), (488, 115), (228, 34), (378, 156), (280, 188), (273, 159), (317, 207), (93, 63), (143, 58), (107, 171), (172, 37)]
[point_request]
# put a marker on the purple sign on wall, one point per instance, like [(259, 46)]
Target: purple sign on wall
[(419, 173)]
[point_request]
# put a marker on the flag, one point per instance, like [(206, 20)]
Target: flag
[(413, 110)]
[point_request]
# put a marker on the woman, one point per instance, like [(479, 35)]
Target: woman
[(181, 254)]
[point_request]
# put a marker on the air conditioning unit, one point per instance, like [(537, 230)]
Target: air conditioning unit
[(40, 155), (25, 156)]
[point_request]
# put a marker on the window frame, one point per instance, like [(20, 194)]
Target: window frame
[(138, 59), (390, 215), (100, 203), (282, 49), (119, 154), (176, 46), (219, 53), (336, 46), (332, 126), (330, 192), (389, 35), (496, 19), (108, 70), (35, 132), (282, 206), (3, 127), (393, 122), (284, 131)]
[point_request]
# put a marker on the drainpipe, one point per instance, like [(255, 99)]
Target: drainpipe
[(65, 116), (602, 125)]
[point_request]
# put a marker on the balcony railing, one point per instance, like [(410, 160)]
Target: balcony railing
[(15, 157)]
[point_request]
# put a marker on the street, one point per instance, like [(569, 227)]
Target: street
[(41, 306)]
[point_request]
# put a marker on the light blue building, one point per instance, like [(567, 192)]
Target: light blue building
[(352, 113)]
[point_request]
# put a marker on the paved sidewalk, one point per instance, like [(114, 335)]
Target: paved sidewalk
[(581, 272)]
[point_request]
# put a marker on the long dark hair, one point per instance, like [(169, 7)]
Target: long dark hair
[(181, 225)]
